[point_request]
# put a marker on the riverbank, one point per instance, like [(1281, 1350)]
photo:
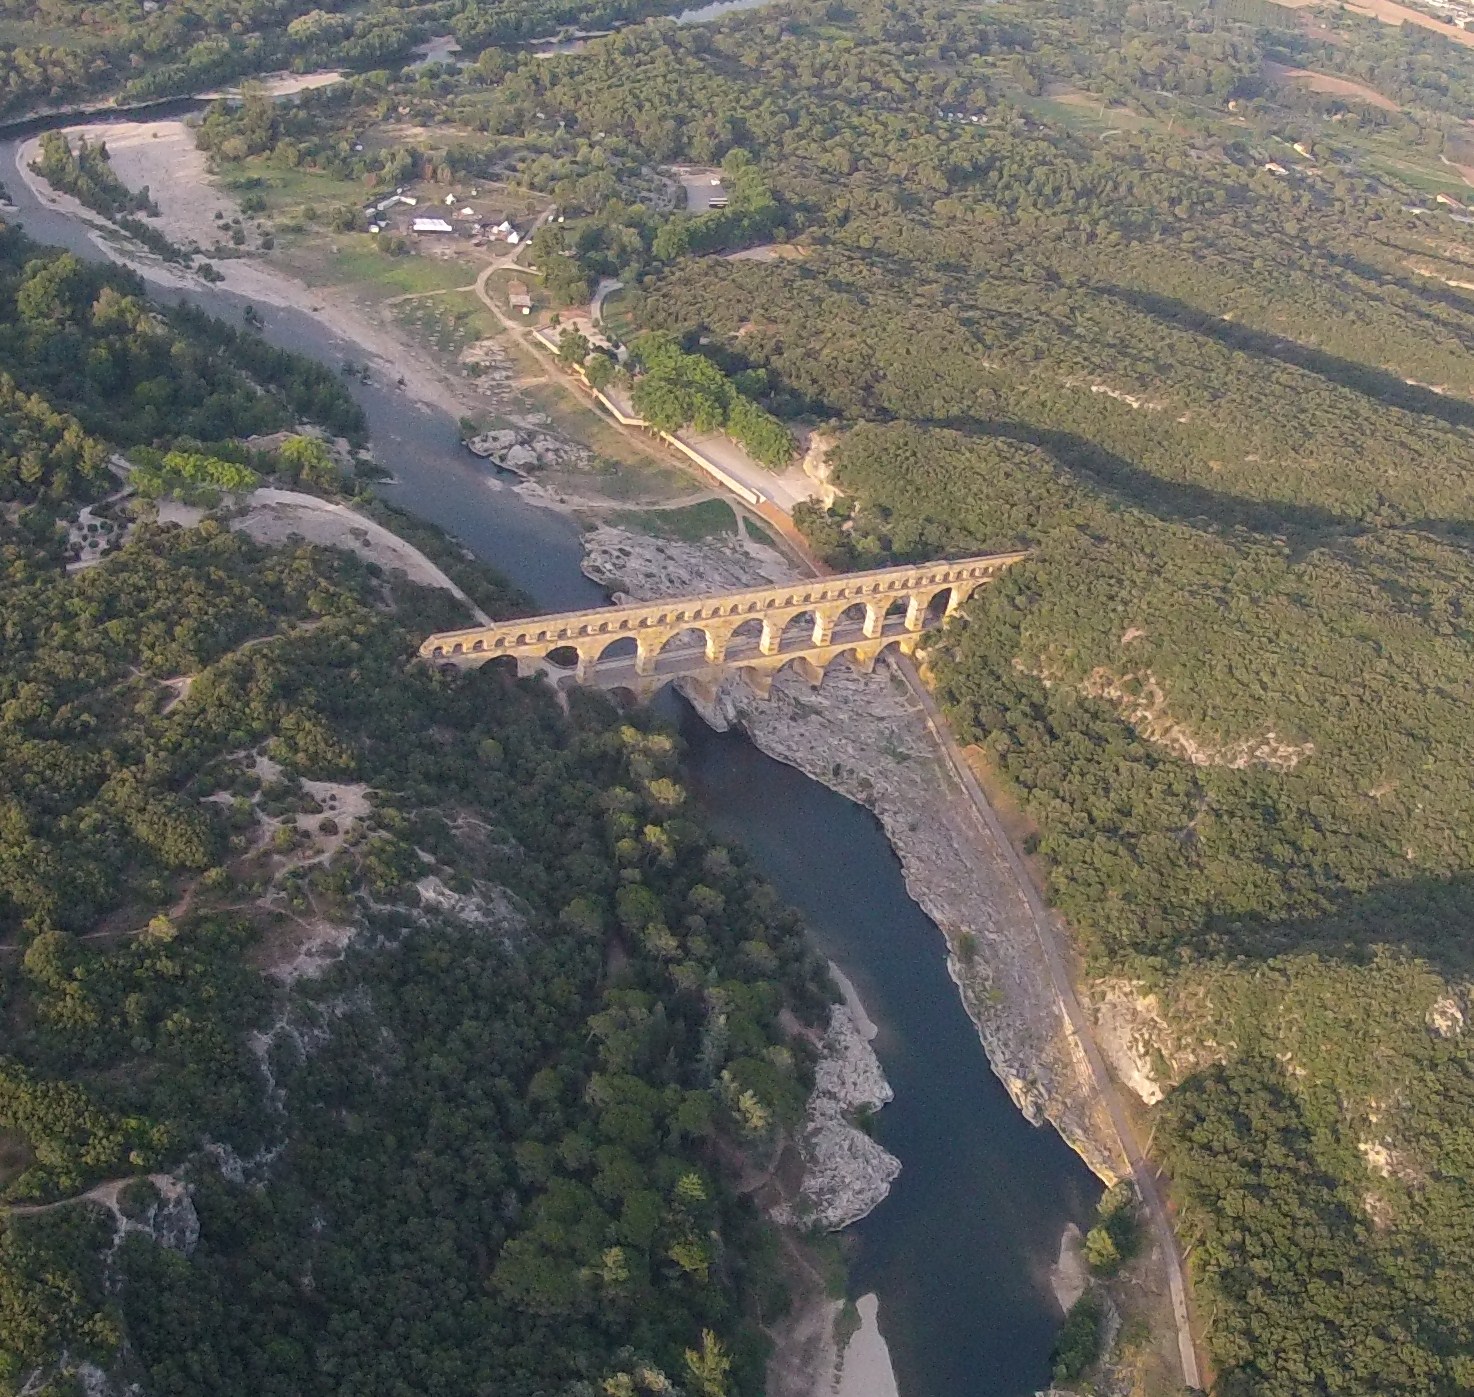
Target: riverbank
[(886, 762), (164, 152)]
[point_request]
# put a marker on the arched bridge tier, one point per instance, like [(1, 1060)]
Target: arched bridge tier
[(642, 645)]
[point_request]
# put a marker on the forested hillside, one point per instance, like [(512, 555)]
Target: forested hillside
[(1102, 280), (365, 1028), (57, 52)]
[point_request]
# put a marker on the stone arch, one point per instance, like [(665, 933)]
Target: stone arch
[(619, 647), (503, 666), (943, 601), (746, 636), (804, 667), (677, 641), (563, 657), (796, 632)]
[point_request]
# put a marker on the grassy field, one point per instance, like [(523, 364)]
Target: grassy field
[(692, 522), (357, 260), (287, 190), (447, 323), (353, 261)]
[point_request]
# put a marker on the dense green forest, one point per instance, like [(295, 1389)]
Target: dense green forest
[(1098, 278), (366, 1028), (82, 352), (1095, 278), (60, 52)]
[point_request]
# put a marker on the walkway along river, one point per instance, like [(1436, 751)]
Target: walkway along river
[(960, 1251)]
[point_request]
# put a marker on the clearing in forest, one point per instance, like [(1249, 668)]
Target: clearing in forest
[(1324, 82)]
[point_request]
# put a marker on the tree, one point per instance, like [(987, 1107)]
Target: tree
[(573, 345), (599, 369), (709, 1366)]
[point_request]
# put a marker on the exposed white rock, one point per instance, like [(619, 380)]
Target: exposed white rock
[(846, 1173), (1128, 1027), (484, 906), (1446, 1017), (522, 451)]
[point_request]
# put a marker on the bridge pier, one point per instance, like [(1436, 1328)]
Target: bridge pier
[(760, 681), (810, 671), (874, 619), (646, 648), (704, 686), (960, 595), (718, 637), (772, 635)]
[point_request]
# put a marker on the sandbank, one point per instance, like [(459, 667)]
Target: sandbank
[(865, 1365)]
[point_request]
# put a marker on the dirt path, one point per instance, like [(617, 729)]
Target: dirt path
[(105, 1193), (425, 295)]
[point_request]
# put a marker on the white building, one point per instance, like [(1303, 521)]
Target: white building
[(432, 225)]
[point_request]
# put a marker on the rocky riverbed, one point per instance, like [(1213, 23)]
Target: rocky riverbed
[(866, 736), (846, 1174)]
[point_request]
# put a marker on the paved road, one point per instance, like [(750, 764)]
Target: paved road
[(717, 447)]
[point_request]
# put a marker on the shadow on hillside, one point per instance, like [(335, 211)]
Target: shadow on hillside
[(1377, 384), (1428, 917), (1425, 288), (1172, 500)]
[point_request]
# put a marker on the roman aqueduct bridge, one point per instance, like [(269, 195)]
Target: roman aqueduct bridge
[(808, 624)]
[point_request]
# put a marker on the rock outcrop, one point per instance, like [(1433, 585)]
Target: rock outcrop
[(523, 451), (846, 1174), (646, 567), (171, 1221)]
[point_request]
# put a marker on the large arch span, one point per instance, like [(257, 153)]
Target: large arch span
[(759, 630)]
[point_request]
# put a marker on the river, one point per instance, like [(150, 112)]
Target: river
[(959, 1253)]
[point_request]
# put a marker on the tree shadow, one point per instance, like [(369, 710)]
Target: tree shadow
[(1428, 917), (1377, 384), (1173, 500), (1423, 288)]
